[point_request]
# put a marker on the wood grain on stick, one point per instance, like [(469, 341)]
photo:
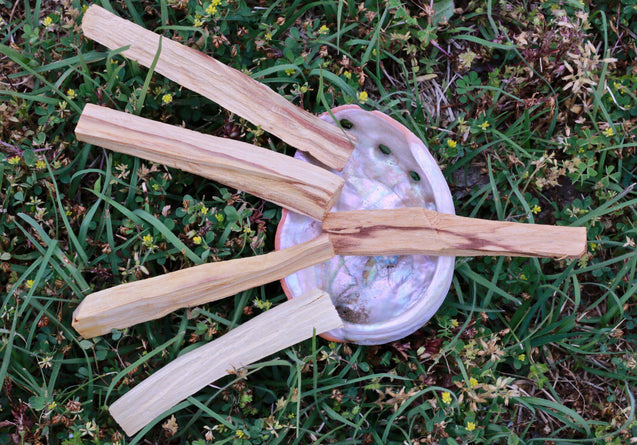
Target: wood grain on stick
[(288, 182), (131, 303), (278, 328), (228, 87), (421, 231)]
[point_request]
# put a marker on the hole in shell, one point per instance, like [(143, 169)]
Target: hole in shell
[(384, 149), (414, 175), (346, 124)]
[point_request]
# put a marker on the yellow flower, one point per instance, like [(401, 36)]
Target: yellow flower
[(290, 71), (347, 75), (204, 210), (240, 434), (71, 93), (323, 30), (608, 132), (215, 2), (197, 239), (47, 22), (30, 284), (198, 22), (455, 323), (40, 164), (219, 217), (363, 97), (167, 98), (536, 209), (451, 143), (522, 357), (472, 382), (211, 9), (148, 240), (471, 426), (446, 397), (484, 125), (262, 304), (14, 160), (268, 36)]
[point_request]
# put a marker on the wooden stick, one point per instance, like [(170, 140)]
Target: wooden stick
[(289, 182), (287, 324), (228, 87), (139, 301), (420, 231)]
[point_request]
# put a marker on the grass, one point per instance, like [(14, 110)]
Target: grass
[(529, 108)]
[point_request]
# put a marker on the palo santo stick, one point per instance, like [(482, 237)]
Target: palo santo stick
[(421, 231), (289, 182), (285, 325), (228, 87), (139, 301)]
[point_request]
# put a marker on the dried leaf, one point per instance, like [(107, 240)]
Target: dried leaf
[(170, 426)]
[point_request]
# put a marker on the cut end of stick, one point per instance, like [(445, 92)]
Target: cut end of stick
[(578, 247), (78, 324)]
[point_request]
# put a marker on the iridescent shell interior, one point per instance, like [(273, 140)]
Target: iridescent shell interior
[(379, 298)]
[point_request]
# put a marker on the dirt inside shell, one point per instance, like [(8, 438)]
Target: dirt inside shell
[(349, 308), (351, 315)]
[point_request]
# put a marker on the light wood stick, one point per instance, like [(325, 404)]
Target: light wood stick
[(285, 325), (420, 231), (131, 303), (228, 87), (288, 182)]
